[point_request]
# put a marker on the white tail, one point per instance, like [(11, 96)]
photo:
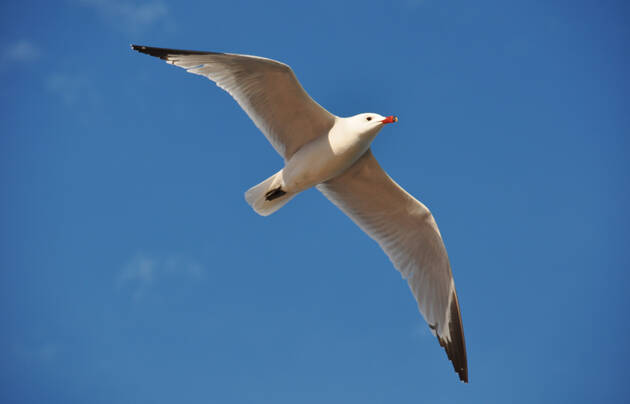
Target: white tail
[(256, 196)]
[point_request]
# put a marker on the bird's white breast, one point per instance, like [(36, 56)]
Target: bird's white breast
[(325, 157)]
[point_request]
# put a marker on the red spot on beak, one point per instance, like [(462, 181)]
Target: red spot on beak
[(390, 119)]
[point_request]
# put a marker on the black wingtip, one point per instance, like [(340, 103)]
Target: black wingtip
[(456, 347), (149, 50), (163, 53)]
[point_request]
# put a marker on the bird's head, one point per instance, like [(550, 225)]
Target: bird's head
[(370, 123)]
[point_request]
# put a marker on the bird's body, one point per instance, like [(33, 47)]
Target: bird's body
[(328, 155), (333, 154), (317, 161)]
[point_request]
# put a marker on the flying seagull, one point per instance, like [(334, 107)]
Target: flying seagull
[(333, 154)]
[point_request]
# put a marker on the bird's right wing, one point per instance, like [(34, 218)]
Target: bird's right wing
[(267, 90), (407, 232)]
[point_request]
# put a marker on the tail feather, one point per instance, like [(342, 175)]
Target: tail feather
[(268, 196)]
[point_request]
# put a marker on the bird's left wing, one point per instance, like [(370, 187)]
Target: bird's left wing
[(267, 90), (406, 231)]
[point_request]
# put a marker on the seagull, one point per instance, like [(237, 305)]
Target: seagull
[(333, 154)]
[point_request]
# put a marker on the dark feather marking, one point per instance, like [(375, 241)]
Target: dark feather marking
[(274, 193), (456, 348), (163, 53)]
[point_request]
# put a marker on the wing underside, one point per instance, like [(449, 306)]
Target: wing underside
[(267, 90), (407, 232)]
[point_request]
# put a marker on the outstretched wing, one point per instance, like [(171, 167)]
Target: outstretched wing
[(267, 90), (406, 231)]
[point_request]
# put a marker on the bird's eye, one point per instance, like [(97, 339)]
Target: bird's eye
[(369, 118)]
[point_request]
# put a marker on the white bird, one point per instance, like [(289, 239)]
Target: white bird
[(333, 154)]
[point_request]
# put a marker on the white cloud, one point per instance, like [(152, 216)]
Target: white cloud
[(23, 50), (20, 51), (140, 268), (130, 14), (144, 270)]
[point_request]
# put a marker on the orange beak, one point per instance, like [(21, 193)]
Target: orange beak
[(390, 119)]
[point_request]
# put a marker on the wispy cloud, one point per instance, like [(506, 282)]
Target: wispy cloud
[(19, 52), (22, 50), (129, 14), (144, 270)]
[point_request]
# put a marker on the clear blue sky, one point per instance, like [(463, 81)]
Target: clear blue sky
[(133, 271)]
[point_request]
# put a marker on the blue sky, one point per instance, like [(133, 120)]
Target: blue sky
[(132, 269)]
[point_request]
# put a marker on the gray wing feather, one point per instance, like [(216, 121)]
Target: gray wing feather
[(406, 231), (267, 90)]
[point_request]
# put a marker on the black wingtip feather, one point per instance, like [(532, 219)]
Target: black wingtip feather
[(162, 53), (456, 347)]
